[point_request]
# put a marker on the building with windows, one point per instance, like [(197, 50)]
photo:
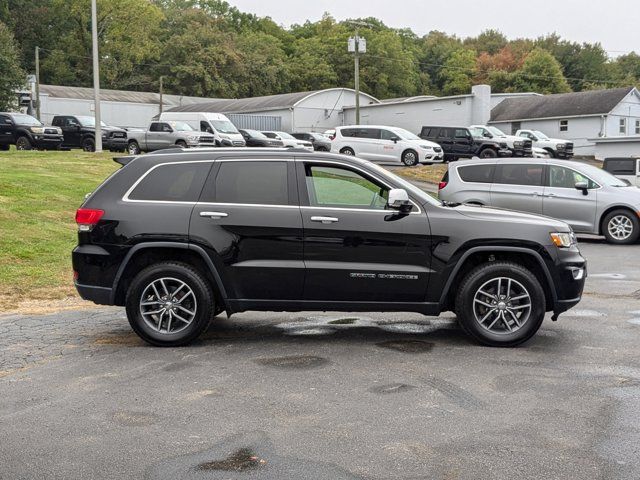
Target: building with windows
[(606, 118)]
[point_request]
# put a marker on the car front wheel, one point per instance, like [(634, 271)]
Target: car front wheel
[(410, 158), (133, 148), (621, 227), (169, 304), (89, 145), (23, 143), (500, 304)]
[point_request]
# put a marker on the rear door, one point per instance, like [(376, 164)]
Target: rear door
[(356, 249), (518, 186), (462, 142), (564, 202), (369, 143), (248, 220), (445, 140)]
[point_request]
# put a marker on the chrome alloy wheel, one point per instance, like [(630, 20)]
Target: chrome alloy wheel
[(620, 227), (168, 305), (502, 305)]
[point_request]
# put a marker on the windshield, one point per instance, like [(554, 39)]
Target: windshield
[(21, 119), (181, 126), (602, 177), (541, 135), (285, 135), (256, 134), (496, 131), (405, 134), (224, 126), (476, 131), (415, 191), (89, 122)]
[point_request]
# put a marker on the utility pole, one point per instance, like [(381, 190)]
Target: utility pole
[(96, 76), (356, 76), (38, 83), (161, 78)]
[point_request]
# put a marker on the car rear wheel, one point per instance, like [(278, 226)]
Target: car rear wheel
[(410, 158), (133, 148), (347, 151), (23, 143), (488, 153), (89, 145), (169, 304), (621, 227), (500, 304)]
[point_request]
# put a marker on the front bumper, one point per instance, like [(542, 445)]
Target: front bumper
[(522, 152), (115, 144), (433, 157), (47, 141), (569, 273), (504, 152)]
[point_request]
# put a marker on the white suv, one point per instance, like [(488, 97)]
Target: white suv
[(385, 144)]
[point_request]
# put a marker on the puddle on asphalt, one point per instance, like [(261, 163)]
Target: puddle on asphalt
[(407, 346), (391, 388), (243, 459), (293, 361)]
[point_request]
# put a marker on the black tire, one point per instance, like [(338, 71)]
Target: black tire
[(181, 144), (347, 151), (322, 149), (488, 153), (204, 305), (480, 277), (23, 143), (133, 148), (89, 145), (552, 153), (410, 158), (616, 225)]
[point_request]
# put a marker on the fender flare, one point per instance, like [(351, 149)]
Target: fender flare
[(184, 246), (526, 251)]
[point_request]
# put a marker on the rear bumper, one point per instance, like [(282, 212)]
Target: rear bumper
[(99, 295)]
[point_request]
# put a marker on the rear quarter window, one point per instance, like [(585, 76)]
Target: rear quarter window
[(476, 173), (179, 182)]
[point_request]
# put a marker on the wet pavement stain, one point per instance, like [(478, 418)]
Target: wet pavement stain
[(178, 366), (391, 388), (293, 361), (407, 346), (243, 459)]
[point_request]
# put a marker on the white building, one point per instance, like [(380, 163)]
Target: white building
[(605, 117), (314, 111), (413, 112)]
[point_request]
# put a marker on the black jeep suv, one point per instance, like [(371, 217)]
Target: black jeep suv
[(27, 132), (458, 142), (80, 132), (182, 236)]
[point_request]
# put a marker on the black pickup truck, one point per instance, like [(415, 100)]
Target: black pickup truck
[(27, 132), (80, 131), (458, 142)]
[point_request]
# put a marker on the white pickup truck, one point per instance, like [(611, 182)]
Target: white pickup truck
[(520, 147), (625, 168), (556, 147), (166, 134)]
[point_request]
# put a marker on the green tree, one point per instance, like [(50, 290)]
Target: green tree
[(12, 76), (458, 72), (541, 73), (309, 65), (490, 41)]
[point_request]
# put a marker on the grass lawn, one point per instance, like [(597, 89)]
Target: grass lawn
[(39, 194), (423, 173)]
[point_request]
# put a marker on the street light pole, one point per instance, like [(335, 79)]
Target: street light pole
[(356, 76), (96, 76), (38, 83)]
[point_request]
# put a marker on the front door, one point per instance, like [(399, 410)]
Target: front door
[(248, 220), (71, 130), (390, 149), (518, 186), (462, 142), (563, 201), (355, 249)]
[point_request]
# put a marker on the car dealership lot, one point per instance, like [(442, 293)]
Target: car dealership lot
[(329, 395)]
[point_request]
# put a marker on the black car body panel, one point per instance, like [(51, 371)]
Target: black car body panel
[(280, 256), (12, 128), (254, 138), (458, 142)]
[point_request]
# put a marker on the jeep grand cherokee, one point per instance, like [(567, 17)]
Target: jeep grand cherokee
[(181, 236)]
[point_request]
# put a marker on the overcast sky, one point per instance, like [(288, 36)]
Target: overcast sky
[(613, 23)]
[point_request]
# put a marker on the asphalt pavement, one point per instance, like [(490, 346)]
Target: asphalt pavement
[(329, 396)]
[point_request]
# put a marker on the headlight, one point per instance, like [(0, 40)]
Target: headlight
[(426, 147), (192, 138), (561, 146), (518, 144), (37, 129), (104, 135), (562, 239)]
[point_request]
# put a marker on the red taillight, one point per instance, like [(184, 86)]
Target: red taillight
[(441, 185), (86, 218)]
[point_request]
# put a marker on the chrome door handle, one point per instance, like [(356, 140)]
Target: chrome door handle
[(214, 215), (324, 219)]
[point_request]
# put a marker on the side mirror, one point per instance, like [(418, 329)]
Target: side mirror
[(584, 186), (399, 200), (394, 139), (487, 135)]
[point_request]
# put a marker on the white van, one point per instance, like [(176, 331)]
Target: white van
[(385, 144), (224, 132)]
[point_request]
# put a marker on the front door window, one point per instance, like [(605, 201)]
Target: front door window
[(340, 187)]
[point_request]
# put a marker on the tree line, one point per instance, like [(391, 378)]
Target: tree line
[(211, 49)]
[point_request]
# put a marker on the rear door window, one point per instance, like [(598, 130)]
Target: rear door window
[(476, 173), (519, 174), (250, 182), (177, 182), (445, 133), (371, 133)]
